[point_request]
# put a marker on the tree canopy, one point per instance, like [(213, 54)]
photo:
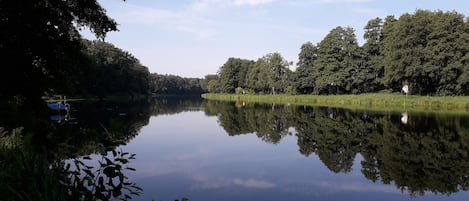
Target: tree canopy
[(269, 74), (112, 71), (41, 43), (175, 85), (426, 50)]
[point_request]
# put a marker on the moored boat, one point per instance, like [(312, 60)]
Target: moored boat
[(58, 106), (58, 103)]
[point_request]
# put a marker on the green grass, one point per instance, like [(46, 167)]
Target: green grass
[(378, 102)]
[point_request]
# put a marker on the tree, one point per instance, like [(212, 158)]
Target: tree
[(427, 50), (446, 54), (176, 85), (213, 86), (41, 43), (258, 78), (373, 49), (374, 36), (279, 72), (339, 59), (304, 78), (205, 82), (113, 71), (233, 74)]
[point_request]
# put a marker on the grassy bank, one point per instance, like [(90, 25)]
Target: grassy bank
[(381, 102)]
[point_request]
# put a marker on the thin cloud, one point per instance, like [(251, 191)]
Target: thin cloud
[(253, 183), (368, 11), (341, 1), (217, 182), (205, 5), (250, 2), (294, 29), (210, 182), (178, 21)]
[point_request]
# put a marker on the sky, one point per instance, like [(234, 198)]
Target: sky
[(194, 38)]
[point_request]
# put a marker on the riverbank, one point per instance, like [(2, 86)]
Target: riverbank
[(115, 98), (379, 102)]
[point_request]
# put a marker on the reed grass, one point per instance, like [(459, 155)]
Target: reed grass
[(377, 101)]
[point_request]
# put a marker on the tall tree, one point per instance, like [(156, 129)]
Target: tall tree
[(233, 74), (270, 74), (447, 52), (41, 43), (279, 72), (304, 78), (338, 61), (208, 83), (373, 49), (113, 71), (428, 50), (258, 78)]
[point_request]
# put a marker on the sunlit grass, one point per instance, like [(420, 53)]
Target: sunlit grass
[(378, 101)]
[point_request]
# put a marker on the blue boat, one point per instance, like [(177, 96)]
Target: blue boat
[(58, 103), (58, 106)]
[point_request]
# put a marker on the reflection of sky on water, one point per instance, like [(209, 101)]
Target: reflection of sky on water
[(190, 155)]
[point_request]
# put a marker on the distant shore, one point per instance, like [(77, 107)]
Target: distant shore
[(376, 101)]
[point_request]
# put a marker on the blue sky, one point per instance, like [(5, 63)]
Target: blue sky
[(193, 38)]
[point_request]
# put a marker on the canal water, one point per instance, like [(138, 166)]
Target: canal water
[(179, 149)]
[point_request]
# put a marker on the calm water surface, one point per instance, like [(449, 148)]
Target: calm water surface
[(229, 151), (209, 150)]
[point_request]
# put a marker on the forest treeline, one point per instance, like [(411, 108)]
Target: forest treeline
[(426, 50), (114, 71), (175, 85), (109, 70), (44, 53)]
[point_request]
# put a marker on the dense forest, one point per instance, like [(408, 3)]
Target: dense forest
[(41, 46), (112, 71), (116, 72), (175, 85), (427, 50), (46, 54)]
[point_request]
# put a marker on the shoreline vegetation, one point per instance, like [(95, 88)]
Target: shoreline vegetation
[(371, 102)]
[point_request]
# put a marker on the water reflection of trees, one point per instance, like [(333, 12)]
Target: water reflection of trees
[(175, 104), (44, 160), (429, 154), (265, 121)]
